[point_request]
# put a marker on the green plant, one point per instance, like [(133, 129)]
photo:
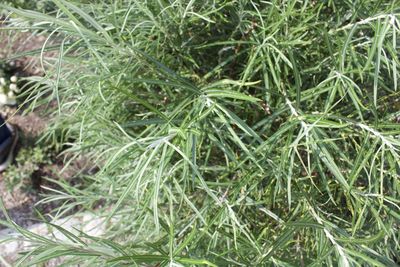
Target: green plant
[(228, 133), (28, 161), (38, 5)]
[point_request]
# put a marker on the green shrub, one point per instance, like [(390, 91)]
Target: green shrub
[(228, 133)]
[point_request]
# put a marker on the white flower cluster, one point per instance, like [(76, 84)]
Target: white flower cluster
[(8, 89)]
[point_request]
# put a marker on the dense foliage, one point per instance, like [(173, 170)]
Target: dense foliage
[(227, 133), (38, 5)]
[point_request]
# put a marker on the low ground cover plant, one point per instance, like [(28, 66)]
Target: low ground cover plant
[(227, 133)]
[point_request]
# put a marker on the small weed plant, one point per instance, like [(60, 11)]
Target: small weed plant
[(227, 133), (28, 161)]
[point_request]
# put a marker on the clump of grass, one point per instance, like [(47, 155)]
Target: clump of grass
[(227, 133)]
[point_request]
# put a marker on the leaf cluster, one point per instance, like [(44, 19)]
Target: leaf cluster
[(228, 133)]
